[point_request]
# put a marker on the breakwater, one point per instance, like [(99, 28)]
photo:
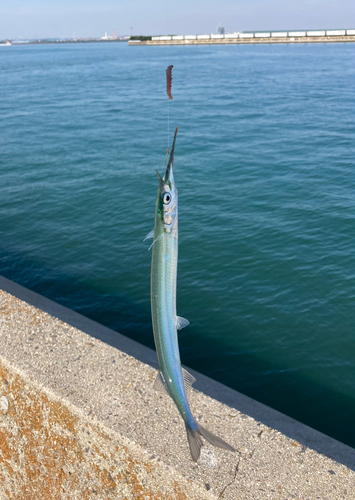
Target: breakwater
[(80, 418), (320, 36)]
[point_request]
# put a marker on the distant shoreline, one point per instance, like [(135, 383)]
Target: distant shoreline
[(56, 42), (190, 41)]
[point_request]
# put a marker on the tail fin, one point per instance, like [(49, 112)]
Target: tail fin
[(215, 440), (195, 442)]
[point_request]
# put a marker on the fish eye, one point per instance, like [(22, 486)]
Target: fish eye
[(167, 198)]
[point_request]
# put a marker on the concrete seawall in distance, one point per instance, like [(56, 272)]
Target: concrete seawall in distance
[(252, 41), (79, 419)]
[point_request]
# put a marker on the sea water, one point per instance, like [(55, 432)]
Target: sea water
[(264, 167)]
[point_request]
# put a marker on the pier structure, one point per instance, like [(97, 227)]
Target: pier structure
[(80, 419), (315, 36)]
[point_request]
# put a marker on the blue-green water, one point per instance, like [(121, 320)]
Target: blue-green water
[(264, 167)]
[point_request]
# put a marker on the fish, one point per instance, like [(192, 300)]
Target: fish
[(172, 378)]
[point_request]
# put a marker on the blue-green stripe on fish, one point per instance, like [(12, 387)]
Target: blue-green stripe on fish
[(172, 377)]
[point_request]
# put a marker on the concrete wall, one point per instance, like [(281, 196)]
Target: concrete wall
[(80, 419)]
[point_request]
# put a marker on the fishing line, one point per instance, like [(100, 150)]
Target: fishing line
[(168, 150), (167, 84)]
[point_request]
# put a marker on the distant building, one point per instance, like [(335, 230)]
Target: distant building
[(221, 30), (109, 37)]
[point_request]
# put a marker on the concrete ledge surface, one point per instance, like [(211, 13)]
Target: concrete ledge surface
[(268, 416), (57, 384)]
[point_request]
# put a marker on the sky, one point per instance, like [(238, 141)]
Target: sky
[(92, 18)]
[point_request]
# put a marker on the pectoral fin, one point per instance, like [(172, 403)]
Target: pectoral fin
[(181, 322), (156, 239), (149, 235)]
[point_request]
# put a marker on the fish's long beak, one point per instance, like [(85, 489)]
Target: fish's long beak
[(171, 157)]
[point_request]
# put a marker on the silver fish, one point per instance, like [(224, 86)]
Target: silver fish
[(174, 379)]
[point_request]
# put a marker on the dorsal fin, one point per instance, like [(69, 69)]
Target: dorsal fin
[(188, 380)]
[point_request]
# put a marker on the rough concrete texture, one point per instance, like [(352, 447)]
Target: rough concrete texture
[(80, 419), (50, 450)]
